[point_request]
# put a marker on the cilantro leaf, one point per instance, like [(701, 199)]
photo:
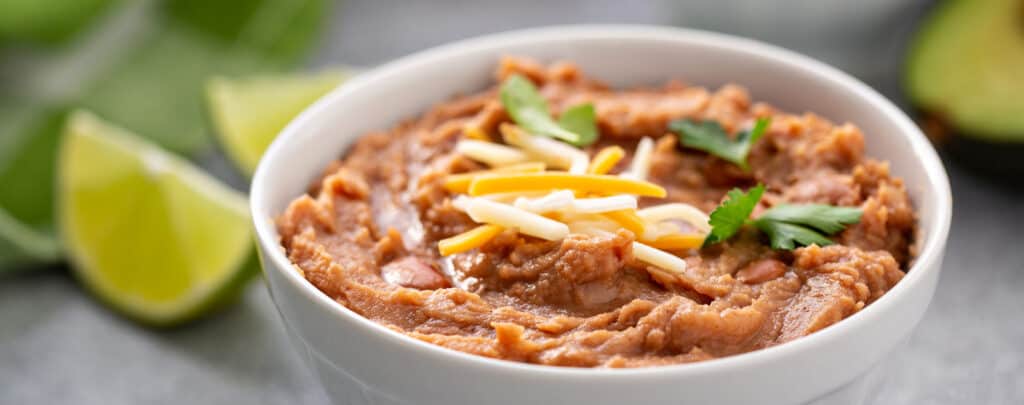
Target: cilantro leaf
[(790, 224), (529, 109), (787, 225), (730, 216), (825, 218), (709, 136), (580, 119), (785, 236)]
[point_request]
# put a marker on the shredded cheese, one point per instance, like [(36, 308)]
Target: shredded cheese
[(627, 219), (677, 242), (640, 167), (556, 201), (510, 198), (468, 240), (604, 204), (658, 258), (473, 131), (517, 193), (591, 183), (605, 160), (656, 230), (461, 203), (573, 216), (459, 183), (594, 231), (490, 212), (490, 153), (557, 154), (685, 212)]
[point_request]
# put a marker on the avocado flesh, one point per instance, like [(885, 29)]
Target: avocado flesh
[(966, 68)]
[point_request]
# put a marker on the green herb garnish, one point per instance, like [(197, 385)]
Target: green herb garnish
[(729, 217), (787, 225), (529, 109), (710, 137)]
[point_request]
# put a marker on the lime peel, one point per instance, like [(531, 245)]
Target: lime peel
[(151, 235)]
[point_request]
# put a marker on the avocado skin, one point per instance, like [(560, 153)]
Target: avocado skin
[(1002, 160)]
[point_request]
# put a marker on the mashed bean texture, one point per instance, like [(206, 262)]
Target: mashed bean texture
[(366, 235)]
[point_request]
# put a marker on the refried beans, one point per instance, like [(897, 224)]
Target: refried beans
[(367, 235)]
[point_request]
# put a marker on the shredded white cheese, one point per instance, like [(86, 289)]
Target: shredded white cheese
[(658, 258), (592, 230), (659, 229), (490, 212), (604, 204), (554, 153), (511, 196), (554, 201), (640, 167), (521, 210), (594, 227), (461, 203), (492, 154), (685, 212)]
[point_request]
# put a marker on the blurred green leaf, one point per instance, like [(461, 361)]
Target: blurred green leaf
[(26, 198), (27, 193), (157, 89), (154, 88), (46, 22), (281, 31), (21, 245)]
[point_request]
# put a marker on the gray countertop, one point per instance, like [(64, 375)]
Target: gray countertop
[(58, 346)]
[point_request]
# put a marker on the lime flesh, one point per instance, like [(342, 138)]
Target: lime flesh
[(249, 112), (147, 232)]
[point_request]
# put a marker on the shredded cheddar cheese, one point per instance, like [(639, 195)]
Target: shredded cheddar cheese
[(605, 160), (473, 131), (459, 183), (517, 193), (468, 240), (591, 183)]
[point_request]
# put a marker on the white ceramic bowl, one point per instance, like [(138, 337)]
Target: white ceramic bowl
[(361, 362)]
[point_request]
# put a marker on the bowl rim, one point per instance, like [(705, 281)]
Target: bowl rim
[(927, 261)]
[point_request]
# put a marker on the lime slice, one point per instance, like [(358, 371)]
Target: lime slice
[(249, 112), (148, 233)]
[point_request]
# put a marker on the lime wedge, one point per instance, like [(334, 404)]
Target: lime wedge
[(147, 232), (248, 112)]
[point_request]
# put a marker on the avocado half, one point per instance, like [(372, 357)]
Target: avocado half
[(965, 73)]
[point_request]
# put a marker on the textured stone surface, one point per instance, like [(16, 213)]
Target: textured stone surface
[(58, 346)]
